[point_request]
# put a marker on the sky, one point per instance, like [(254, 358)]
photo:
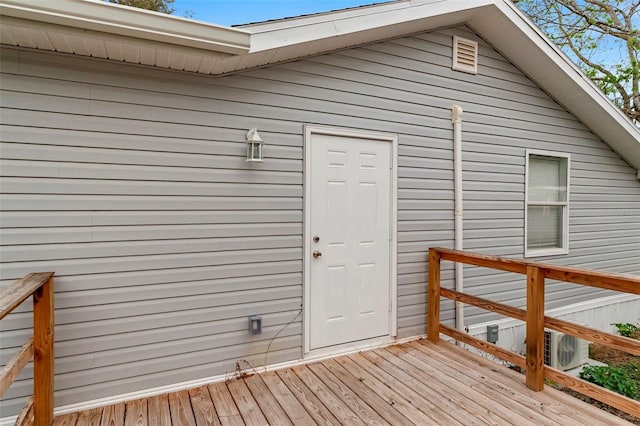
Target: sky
[(230, 12)]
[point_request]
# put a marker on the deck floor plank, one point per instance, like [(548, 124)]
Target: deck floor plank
[(136, 413), (270, 407), (419, 382), (463, 394), (335, 405), (113, 415), (384, 407), (90, 417), (225, 406), (473, 386), (203, 409), (400, 384), (307, 398), (353, 401), (438, 394), (66, 420), (390, 395), (248, 407), (541, 402), (296, 412), (551, 400), (181, 411), (158, 412), (526, 408)]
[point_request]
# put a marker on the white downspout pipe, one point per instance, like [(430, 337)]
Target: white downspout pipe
[(456, 119)]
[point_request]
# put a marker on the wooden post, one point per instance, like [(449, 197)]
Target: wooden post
[(433, 302), (43, 354), (535, 328)]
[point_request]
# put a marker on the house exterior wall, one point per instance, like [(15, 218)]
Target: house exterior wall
[(131, 184)]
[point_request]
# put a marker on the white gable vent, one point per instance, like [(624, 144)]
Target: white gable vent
[(465, 55)]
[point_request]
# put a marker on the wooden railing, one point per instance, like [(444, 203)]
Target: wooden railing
[(534, 317), (39, 408)]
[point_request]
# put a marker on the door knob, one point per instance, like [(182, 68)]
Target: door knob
[(316, 254)]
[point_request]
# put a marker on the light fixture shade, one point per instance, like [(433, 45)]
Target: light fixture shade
[(254, 146)]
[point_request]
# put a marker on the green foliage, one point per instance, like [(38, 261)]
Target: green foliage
[(612, 378), (626, 329), (632, 369), (602, 37), (163, 6)]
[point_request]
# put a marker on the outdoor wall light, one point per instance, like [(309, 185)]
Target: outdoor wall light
[(254, 146)]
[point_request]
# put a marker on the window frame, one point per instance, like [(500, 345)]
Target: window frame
[(564, 249)]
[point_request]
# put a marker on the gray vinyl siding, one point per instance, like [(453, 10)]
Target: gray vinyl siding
[(131, 184)]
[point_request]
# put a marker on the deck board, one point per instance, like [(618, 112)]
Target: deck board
[(136, 412), (361, 409), (389, 397), (307, 398), (181, 411), (470, 386), (333, 402), (270, 407), (113, 415), (494, 389), (378, 403), (431, 390), (247, 405), (203, 409), (423, 402), (287, 400), (225, 406), (158, 412), (66, 420), (413, 383), (566, 408), (90, 417)]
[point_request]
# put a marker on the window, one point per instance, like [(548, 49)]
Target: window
[(547, 204)]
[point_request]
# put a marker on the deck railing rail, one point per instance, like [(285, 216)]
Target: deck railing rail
[(39, 408), (533, 315)]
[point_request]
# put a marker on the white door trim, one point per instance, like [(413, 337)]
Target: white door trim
[(335, 131)]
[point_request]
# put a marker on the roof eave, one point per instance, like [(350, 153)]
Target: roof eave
[(110, 19), (370, 23), (552, 70)]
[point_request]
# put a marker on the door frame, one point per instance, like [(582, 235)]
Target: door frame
[(309, 131)]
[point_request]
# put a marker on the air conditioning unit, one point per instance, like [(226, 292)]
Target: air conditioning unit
[(564, 351)]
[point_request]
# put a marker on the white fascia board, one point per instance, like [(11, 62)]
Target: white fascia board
[(109, 18), (375, 20), (529, 49)]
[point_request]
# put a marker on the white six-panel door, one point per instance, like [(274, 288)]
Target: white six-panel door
[(350, 239)]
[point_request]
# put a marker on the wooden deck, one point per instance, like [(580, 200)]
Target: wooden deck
[(418, 383)]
